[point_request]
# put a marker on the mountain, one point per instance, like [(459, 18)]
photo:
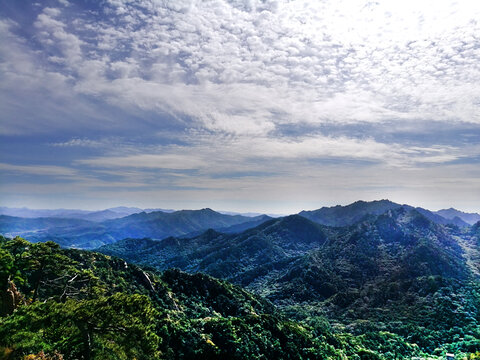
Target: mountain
[(16, 225), (251, 214), (37, 213), (383, 268), (350, 214), (97, 216), (235, 229), (231, 256), (85, 305), (160, 225), (367, 290), (396, 246), (469, 218), (125, 210), (436, 218), (395, 237), (66, 232), (158, 209), (157, 225), (357, 211)]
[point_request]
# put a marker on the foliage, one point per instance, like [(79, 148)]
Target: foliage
[(125, 312)]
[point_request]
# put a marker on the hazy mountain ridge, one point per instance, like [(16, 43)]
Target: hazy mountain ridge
[(451, 213), (92, 215), (398, 234), (107, 226), (226, 255), (156, 224), (13, 226), (350, 214)]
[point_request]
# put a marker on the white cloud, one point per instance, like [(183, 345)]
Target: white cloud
[(234, 66), (48, 170), (232, 78), (77, 142), (153, 161)]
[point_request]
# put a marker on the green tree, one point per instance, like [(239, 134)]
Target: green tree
[(115, 327)]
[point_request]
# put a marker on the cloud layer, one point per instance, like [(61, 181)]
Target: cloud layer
[(204, 98)]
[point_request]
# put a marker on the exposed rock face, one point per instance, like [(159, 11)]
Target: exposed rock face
[(10, 299)]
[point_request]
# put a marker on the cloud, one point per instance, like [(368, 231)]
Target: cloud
[(41, 170), (227, 94), (156, 161), (263, 157), (234, 66), (83, 142)]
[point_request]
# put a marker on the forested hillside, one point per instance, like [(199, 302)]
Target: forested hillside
[(75, 304), (398, 271)]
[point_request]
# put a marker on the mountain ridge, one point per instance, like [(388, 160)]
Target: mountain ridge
[(80, 233)]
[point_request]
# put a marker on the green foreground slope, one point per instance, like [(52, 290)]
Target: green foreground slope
[(74, 304)]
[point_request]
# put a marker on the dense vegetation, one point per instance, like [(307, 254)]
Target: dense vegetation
[(82, 305)]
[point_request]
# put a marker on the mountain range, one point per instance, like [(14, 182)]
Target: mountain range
[(285, 249), (80, 233), (370, 280), (378, 268), (350, 214), (88, 230)]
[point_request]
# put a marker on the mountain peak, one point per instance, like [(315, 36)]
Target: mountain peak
[(349, 214), (451, 214)]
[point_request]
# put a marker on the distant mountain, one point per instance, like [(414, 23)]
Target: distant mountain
[(158, 209), (350, 214), (470, 218), (159, 225), (235, 229), (12, 225), (438, 219), (399, 245), (68, 232), (36, 213), (85, 234), (252, 214), (97, 215), (125, 210), (359, 210), (392, 271), (279, 243)]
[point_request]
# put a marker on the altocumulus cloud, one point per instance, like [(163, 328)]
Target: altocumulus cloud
[(230, 95)]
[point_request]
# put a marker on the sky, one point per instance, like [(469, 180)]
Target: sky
[(269, 106)]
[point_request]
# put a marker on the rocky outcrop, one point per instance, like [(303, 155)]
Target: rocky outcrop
[(10, 299)]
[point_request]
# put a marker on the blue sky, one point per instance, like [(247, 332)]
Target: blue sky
[(272, 106)]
